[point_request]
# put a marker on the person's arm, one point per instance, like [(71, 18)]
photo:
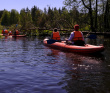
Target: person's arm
[(82, 35), (71, 36), (51, 35)]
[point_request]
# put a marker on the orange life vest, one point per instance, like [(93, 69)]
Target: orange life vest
[(17, 32), (4, 31), (77, 36), (10, 33), (56, 35)]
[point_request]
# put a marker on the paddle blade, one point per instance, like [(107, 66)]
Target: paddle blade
[(92, 36)]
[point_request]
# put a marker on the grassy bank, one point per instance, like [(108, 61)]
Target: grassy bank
[(0, 31)]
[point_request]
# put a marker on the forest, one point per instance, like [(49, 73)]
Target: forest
[(91, 15)]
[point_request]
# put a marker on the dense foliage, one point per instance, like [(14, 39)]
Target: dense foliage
[(89, 14)]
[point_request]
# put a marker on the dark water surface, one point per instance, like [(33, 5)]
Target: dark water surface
[(27, 66)]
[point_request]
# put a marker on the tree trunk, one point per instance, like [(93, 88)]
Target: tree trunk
[(91, 17), (90, 13), (96, 17), (106, 16)]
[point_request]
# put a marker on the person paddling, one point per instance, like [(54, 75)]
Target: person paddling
[(76, 37), (16, 32), (55, 35), (10, 33), (5, 32)]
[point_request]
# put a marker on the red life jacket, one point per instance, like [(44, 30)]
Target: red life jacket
[(5, 32), (56, 35), (17, 32), (10, 33), (78, 36), (2, 31)]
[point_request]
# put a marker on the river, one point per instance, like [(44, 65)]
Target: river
[(27, 66)]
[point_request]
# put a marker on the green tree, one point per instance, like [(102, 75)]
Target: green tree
[(1, 12), (89, 7), (35, 13), (14, 17), (107, 16), (98, 11), (42, 20), (5, 20), (65, 18), (25, 16)]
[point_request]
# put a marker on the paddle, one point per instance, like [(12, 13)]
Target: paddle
[(91, 36)]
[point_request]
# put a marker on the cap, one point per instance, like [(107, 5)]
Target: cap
[(76, 27)]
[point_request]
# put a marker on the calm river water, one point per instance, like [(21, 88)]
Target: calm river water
[(27, 66)]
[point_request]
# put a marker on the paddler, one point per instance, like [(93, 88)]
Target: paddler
[(55, 35), (10, 33), (16, 32), (76, 37), (5, 32)]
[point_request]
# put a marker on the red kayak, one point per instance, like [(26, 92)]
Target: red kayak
[(14, 35), (3, 35), (74, 48)]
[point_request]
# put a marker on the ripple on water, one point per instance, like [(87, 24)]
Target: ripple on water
[(27, 66)]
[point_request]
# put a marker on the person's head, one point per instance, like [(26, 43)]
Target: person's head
[(55, 29), (76, 27)]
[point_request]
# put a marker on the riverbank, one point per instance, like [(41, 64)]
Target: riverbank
[(46, 32)]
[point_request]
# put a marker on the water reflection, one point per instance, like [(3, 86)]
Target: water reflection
[(84, 73), (27, 66)]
